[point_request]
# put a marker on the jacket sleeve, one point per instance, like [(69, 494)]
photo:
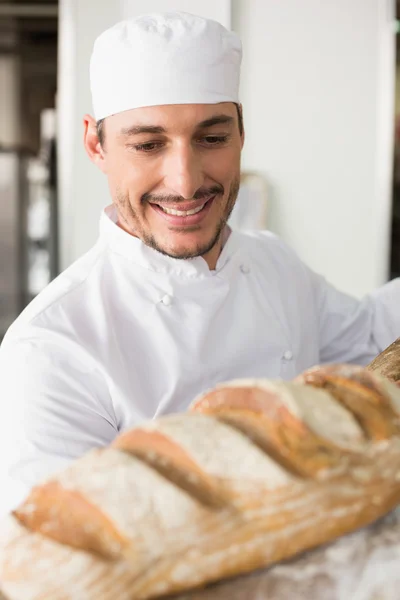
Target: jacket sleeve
[(356, 331), (336, 326), (55, 407)]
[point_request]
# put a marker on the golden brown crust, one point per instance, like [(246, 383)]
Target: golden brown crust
[(294, 519), (67, 517), (169, 459), (205, 524), (361, 393), (265, 419), (387, 363)]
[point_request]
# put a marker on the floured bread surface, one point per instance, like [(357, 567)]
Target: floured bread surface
[(37, 568), (221, 450), (260, 451), (123, 487), (326, 417), (316, 408), (392, 390)]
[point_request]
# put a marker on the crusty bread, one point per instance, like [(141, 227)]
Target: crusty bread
[(363, 565), (256, 472), (388, 362)]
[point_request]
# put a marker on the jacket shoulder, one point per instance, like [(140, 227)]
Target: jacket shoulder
[(68, 282), (265, 243)]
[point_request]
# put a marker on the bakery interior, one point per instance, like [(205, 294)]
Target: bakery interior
[(321, 160), (321, 163)]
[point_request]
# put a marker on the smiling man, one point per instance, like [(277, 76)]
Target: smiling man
[(173, 173), (170, 301)]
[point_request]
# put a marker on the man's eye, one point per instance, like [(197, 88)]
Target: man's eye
[(215, 140), (147, 147)]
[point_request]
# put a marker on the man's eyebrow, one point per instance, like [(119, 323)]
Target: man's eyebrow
[(157, 129), (216, 120), (138, 129)]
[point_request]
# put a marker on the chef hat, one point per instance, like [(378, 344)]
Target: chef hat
[(164, 58)]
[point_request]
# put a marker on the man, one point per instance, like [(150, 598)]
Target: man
[(170, 301)]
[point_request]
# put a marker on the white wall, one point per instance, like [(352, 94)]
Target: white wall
[(317, 90), (83, 190)]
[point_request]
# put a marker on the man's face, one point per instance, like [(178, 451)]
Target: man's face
[(173, 173)]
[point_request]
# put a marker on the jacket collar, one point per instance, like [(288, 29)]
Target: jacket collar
[(135, 250)]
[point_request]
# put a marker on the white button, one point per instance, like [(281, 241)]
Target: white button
[(245, 269), (166, 300), (288, 355)]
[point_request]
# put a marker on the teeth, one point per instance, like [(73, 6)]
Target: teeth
[(182, 213)]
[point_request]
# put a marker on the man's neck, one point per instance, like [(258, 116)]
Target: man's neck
[(211, 257)]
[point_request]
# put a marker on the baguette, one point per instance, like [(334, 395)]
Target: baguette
[(256, 472)]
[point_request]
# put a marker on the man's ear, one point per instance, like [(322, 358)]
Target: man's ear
[(92, 143)]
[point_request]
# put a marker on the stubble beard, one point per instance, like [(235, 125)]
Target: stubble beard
[(131, 223)]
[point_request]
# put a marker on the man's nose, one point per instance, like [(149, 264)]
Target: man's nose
[(184, 172)]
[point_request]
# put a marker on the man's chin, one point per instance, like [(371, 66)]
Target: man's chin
[(182, 253), (187, 251)]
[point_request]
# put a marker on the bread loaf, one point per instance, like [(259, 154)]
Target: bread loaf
[(363, 565), (255, 472), (388, 362)]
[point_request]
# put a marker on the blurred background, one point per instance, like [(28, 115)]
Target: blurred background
[(321, 164)]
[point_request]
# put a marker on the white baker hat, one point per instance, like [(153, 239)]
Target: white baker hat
[(164, 58)]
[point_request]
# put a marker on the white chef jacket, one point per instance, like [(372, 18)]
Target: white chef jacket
[(127, 334)]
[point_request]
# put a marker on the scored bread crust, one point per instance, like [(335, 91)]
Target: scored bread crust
[(387, 363), (256, 472)]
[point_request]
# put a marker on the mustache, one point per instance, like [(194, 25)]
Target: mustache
[(199, 195)]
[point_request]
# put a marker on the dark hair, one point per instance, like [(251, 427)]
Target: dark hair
[(101, 133), (240, 117)]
